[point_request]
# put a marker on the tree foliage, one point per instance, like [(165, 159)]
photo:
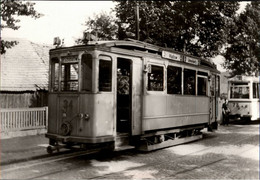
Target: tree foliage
[(201, 28), (243, 51), (102, 25), (10, 11), (196, 27)]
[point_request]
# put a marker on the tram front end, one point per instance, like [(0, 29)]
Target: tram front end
[(78, 114)]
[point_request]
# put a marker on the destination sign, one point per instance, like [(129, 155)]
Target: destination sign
[(191, 60), (170, 55), (69, 59)]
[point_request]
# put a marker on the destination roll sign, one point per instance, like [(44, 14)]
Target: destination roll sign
[(191, 60), (170, 55)]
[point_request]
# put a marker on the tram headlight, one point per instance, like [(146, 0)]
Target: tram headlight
[(64, 115)]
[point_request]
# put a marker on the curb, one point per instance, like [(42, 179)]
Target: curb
[(8, 135)]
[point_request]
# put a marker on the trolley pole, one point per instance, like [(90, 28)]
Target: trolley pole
[(137, 21)]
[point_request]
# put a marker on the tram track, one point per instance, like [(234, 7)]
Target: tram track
[(45, 160), (217, 160), (49, 160)]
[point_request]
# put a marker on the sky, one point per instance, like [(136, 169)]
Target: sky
[(64, 19), (61, 18)]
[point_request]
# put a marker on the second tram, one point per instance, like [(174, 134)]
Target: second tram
[(243, 96), (129, 93)]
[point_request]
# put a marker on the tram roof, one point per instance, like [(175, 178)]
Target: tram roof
[(131, 44)]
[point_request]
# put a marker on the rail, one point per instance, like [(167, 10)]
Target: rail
[(23, 119)]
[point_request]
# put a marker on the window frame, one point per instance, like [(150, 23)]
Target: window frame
[(149, 65), (204, 75), (181, 79), (54, 60), (82, 73), (105, 58), (233, 85), (69, 80), (195, 83)]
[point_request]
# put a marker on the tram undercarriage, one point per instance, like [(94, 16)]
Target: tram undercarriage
[(148, 142)]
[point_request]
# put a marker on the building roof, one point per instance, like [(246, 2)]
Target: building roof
[(24, 67)]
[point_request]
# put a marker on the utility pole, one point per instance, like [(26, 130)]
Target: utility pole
[(137, 21)]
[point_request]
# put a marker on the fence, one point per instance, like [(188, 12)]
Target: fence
[(23, 119)]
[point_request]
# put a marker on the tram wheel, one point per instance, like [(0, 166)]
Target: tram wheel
[(49, 150)]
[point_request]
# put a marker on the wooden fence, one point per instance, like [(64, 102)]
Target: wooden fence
[(23, 119)]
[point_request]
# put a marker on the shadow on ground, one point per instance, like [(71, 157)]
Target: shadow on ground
[(244, 122)]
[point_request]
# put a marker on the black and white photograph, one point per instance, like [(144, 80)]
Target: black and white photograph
[(129, 89)]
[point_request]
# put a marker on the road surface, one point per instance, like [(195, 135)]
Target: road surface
[(231, 152)]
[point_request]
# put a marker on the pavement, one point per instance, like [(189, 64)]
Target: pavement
[(23, 148)]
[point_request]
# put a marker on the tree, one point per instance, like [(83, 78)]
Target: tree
[(196, 27), (10, 11), (102, 25), (243, 51)]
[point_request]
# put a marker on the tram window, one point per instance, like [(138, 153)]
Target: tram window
[(105, 75), (86, 69), (189, 81), (239, 92), (55, 75), (174, 80), (256, 90), (202, 83), (69, 77), (155, 78), (202, 86)]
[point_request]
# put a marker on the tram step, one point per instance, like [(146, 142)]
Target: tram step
[(122, 140), (169, 143), (125, 147)]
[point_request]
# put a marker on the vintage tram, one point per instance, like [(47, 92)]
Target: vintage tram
[(129, 93), (243, 97)]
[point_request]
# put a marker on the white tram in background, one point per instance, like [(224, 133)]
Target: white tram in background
[(129, 93), (243, 96)]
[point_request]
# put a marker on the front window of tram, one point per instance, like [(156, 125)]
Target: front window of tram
[(239, 91), (86, 69), (54, 75), (69, 75)]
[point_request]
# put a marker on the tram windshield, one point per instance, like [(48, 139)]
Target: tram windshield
[(65, 74), (69, 77), (239, 91)]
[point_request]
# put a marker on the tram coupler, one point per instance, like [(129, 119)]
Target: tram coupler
[(51, 149)]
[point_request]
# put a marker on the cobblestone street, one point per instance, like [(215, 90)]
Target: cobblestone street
[(231, 152)]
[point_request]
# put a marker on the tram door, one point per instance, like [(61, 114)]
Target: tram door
[(213, 101), (124, 95)]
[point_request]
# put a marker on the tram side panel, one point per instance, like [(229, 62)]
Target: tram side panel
[(52, 114), (97, 115), (84, 115), (170, 111), (64, 114)]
